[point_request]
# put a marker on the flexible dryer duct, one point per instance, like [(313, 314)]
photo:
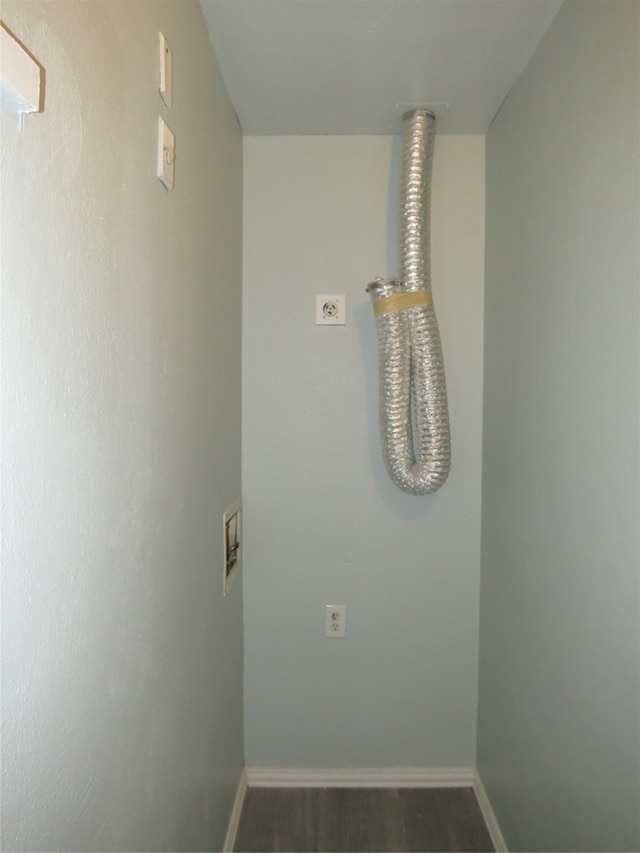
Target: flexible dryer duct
[(413, 392)]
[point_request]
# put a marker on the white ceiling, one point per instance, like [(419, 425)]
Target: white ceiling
[(355, 66)]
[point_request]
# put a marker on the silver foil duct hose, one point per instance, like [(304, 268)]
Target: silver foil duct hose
[(413, 393)]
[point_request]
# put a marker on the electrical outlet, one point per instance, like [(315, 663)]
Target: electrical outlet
[(331, 309), (335, 620), (165, 83)]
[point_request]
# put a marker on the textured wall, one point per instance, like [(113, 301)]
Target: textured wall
[(121, 661), (559, 722), (323, 522)]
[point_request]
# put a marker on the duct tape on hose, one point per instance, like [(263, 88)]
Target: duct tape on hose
[(398, 301)]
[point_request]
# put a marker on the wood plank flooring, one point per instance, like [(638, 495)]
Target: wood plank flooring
[(349, 820)]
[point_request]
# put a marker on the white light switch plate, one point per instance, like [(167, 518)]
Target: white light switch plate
[(166, 154)]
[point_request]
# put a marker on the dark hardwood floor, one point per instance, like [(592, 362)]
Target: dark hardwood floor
[(348, 820)]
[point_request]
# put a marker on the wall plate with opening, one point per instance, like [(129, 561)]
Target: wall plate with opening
[(331, 309), (335, 620)]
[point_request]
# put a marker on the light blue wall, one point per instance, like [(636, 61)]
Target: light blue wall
[(324, 525), (121, 313), (559, 704)]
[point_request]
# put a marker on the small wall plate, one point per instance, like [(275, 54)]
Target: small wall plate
[(165, 85), (166, 154), (331, 309)]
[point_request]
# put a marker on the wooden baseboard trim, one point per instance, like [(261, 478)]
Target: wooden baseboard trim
[(367, 777), (489, 815), (234, 820)]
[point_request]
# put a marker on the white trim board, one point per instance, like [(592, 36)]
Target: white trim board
[(20, 76), (367, 777), (234, 820), (489, 815)]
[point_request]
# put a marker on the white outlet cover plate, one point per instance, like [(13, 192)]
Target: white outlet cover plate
[(335, 620), (165, 84), (331, 309)]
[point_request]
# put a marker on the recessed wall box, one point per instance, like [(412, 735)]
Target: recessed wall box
[(232, 535)]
